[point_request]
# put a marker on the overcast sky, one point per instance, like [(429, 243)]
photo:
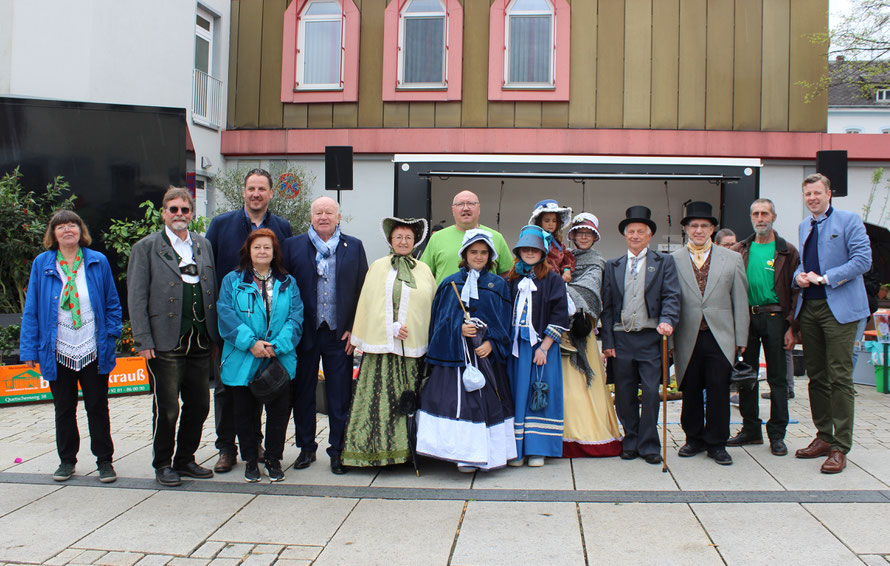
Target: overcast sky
[(836, 10)]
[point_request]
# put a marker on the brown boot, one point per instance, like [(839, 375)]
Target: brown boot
[(225, 463), (835, 463), (816, 449)]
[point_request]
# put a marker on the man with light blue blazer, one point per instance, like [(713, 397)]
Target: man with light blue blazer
[(835, 253)]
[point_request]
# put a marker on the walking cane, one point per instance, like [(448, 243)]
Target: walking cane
[(664, 402)]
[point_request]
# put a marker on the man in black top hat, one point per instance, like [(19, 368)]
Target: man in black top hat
[(641, 302), (713, 326)]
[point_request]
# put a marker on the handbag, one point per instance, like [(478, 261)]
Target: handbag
[(581, 325), (472, 378), (540, 396), (743, 375), (270, 380)]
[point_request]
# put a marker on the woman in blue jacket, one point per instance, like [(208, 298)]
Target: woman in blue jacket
[(70, 326), (260, 316)]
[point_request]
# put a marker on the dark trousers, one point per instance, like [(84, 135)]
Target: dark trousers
[(247, 415), (637, 365), (224, 415), (767, 328), (180, 373), (828, 356), (95, 400), (708, 371), (338, 385)]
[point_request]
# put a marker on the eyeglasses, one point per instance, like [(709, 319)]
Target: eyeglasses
[(465, 204), (176, 209), (403, 238)]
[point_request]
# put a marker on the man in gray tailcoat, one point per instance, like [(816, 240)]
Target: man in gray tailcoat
[(641, 303), (713, 327), (171, 287)]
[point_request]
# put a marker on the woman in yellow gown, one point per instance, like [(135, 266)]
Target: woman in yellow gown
[(591, 426)]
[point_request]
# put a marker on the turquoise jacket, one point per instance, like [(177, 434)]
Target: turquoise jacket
[(242, 321)]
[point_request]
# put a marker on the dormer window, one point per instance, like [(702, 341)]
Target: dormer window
[(882, 95)]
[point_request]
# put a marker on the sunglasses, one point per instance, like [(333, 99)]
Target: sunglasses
[(176, 209)]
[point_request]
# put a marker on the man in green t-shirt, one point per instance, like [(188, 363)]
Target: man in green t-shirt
[(442, 254), (770, 262)]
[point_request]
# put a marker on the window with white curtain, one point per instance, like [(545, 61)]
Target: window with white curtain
[(529, 43), (320, 42), (422, 36)]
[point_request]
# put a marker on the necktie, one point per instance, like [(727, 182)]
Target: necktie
[(634, 262)]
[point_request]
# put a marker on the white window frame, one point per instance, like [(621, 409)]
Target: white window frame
[(301, 47), (206, 35), (882, 95), (551, 84), (853, 131), (885, 131), (401, 65)]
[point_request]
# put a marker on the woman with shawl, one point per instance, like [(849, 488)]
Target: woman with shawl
[(474, 428), (591, 426), (391, 327)]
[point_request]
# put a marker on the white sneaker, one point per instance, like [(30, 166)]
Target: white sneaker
[(516, 462), (466, 469), (535, 461)]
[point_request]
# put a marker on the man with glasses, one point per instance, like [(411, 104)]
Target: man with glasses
[(713, 327), (227, 233), (442, 254), (172, 289)]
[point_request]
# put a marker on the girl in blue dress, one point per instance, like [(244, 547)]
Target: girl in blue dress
[(540, 316)]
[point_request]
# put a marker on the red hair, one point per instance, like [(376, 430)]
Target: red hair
[(246, 263)]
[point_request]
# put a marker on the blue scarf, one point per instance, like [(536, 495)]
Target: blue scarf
[(324, 251)]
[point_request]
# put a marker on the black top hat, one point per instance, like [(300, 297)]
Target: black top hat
[(699, 209), (637, 213)]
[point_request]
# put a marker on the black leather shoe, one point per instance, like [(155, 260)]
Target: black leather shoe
[(304, 459), (689, 450), (168, 477), (629, 455), (744, 437), (720, 455), (652, 458), (777, 447), (193, 470), (337, 466)]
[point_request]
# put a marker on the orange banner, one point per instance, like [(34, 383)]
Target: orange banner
[(21, 384)]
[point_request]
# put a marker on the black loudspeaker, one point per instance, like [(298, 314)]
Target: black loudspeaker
[(338, 167), (833, 164)]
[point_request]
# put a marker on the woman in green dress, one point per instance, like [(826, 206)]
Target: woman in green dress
[(391, 329)]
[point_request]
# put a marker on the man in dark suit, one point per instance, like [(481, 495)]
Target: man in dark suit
[(330, 269), (227, 233), (641, 303)]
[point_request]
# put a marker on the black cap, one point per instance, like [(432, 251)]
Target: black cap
[(699, 209), (637, 213)]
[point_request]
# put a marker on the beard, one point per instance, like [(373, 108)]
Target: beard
[(179, 225), (763, 230)]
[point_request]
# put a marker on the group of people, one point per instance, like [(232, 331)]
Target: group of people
[(475, 354)]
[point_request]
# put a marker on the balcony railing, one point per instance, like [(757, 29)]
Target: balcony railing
[(206, 100)]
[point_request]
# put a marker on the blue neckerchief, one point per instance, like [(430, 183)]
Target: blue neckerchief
[(323, 250)]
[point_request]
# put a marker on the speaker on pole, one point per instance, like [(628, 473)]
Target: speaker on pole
[(338, 167), (833, 164)]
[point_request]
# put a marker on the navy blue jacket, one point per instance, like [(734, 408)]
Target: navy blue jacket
[(227, 233), (662, 292), (351, 267)]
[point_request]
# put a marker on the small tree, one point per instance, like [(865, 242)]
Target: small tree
[(292, 193), (25, 216), (876, 178), (123, 234)]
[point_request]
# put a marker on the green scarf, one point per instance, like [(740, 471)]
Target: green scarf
[(70, 297)]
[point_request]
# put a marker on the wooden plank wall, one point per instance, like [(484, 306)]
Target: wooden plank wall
[(650, 64)]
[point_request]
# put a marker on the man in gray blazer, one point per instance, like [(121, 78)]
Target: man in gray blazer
[(641, 302), (713, 327), (171, 287)]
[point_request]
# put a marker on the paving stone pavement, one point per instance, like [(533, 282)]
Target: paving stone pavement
[(761, 510)]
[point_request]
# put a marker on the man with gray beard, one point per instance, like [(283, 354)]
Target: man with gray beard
[(770, 262)]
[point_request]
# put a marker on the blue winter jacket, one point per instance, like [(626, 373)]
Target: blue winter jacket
[(40, 321), (242, 321)]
